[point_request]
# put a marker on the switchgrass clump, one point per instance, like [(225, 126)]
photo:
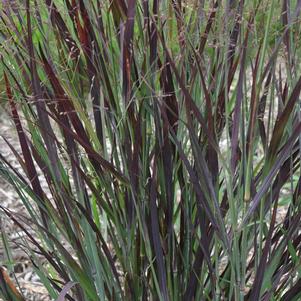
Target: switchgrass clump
[(168, 133)]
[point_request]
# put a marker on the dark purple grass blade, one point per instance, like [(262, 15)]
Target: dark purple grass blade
[(168, 174), (209, 24), (203, 252), (66, 107), (290, 165), (285, 152), (8, 9), (238, 104), (293, 293), (261, 110), (127, 53), (217, 224), (57, 287), (255, 292), (211, 154), (285, 17), (44, 121), (235, 31), (70, 261), (16, 154), (253, 105), (289, 236), (119, 11), (155, 232), (55, 262), (67, 287), (204, 37), (273, 56), (14, 170), (169, 113), (129, 74), (281, 122), (189, 102), (62, 29), (92, 52), (170, 106), (30, 168), (104, 245)]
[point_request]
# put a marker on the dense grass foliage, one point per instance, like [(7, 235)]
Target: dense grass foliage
[(168, 133)]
